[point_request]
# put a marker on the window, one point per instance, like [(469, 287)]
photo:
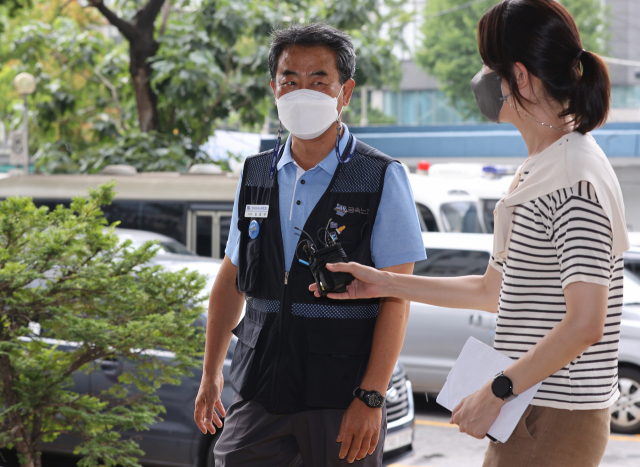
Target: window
[(427, 219), (452, 263), (166, 218), (461, 216), (488, 206), (632, 262)]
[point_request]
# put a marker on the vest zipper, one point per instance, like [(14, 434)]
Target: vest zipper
[(275, 380)]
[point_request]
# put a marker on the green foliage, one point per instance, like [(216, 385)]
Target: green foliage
[(211, 69), (93, 298), (593, 18), (213, 63), (82, 95), (449, 51), (151, 151)]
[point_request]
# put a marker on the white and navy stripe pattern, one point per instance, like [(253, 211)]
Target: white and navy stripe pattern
[(558, 239)]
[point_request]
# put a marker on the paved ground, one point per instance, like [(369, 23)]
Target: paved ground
[(438, 444)]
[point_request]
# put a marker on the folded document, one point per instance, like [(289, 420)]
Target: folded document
[(477, 364)]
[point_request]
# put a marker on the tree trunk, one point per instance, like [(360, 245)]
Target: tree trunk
[(142, 46), (20, 434), (146, 99)]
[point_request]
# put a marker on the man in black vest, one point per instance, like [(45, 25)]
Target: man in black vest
[(310, 374)]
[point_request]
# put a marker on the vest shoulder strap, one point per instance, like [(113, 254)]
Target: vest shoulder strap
[(364, 173), (256, 170)]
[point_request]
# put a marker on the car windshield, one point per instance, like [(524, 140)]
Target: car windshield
[(631, 290), (461, 216)]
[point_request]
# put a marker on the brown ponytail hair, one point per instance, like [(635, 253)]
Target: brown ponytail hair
[(542, 35)]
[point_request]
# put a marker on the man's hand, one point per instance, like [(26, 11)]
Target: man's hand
[(209, 397), (477, 412), (367, 282), (359, 431)]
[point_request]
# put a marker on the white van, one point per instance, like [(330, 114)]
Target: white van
[(474, 190)]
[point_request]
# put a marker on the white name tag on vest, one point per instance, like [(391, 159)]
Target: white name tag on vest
[(256, 210)]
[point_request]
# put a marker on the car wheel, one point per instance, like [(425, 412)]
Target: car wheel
[(625, 413)]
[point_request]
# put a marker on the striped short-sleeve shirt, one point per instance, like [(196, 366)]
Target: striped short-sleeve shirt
[(558, 239)]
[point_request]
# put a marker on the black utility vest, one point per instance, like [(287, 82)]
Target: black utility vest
[(296, 352)]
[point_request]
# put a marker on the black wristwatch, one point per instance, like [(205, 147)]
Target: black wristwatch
[(373, 399), (502, 387)]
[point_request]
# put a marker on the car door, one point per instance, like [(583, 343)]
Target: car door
[(169, 440), (66, 443), (435, 335)]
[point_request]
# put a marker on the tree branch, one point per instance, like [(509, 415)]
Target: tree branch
[(166, 8), (114, 93), (127, 29), (148, 13)]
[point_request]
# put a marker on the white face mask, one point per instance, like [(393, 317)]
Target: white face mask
[(306, 113)]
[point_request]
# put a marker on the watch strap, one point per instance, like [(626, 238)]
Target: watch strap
[(363, 396)]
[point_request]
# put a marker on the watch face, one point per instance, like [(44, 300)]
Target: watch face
[(374, 399), (501, 386)]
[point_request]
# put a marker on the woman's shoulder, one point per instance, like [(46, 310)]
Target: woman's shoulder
[(585, 160)]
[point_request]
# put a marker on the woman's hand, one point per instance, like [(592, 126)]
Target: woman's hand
[(477, 412), (367, 283)]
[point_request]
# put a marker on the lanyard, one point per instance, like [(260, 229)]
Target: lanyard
[(276, 151), (352, 149)]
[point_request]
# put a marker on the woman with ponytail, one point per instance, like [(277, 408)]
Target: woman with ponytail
[(555, 276)]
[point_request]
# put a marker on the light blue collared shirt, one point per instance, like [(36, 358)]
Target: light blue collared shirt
[(396, 237)]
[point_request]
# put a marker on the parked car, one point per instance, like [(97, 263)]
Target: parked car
[(460, 197), (176, 440), (442, 208), (435, 335)]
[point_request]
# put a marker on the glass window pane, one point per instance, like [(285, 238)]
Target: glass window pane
[(489, 205), (166, 218), (225, 226), (204, 226), (427, 218), (409, 108), (452, 263), (461, 216)]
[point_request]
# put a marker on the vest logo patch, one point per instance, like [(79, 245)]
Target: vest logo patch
[(342, 210)]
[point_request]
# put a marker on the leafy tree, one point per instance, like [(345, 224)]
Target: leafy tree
[(208, 69), (140, 32), (82, 95), (213, 62), (70, 295), (449, 50)]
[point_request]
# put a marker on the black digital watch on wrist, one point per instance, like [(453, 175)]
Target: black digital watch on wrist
[(502, 387), (373, 399)]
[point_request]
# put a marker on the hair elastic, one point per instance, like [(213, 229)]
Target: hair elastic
[(580, 54)]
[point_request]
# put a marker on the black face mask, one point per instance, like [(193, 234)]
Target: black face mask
[(488, 91)]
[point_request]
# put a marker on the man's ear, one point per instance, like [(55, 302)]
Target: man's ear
[(347, 91), (273, 88)]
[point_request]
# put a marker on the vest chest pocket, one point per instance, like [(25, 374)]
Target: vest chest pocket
[(247, 333), (249, 255), (336, 364)]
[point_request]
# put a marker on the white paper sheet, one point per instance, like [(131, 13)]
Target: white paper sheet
[(477, 364)]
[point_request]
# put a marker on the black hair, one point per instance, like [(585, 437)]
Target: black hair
[(315, 35), (543, 36)]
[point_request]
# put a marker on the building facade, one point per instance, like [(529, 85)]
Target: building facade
[(419, 102)]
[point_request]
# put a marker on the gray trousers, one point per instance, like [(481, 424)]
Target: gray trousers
[(254, 437)]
